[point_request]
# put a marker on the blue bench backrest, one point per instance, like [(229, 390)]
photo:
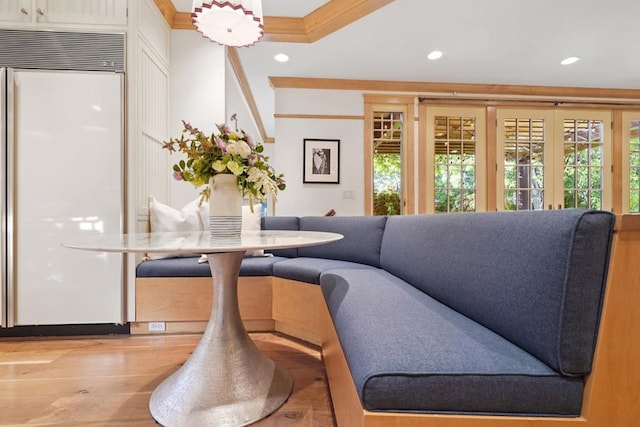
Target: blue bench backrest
[(536, 278)]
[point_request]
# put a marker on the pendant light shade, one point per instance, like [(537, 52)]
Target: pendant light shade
[(229, 23)]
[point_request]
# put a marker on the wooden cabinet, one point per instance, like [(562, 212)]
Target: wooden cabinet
[(34, 13)]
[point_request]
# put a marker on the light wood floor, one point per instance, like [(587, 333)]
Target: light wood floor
[(107, 381)]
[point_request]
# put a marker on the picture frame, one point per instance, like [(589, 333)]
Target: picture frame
[(321, 161)]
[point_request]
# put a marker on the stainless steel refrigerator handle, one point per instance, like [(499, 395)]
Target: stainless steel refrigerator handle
[(10, 193)]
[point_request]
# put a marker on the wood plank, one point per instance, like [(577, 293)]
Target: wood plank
[(189, 298), (297, 304), (108, 381), (337, 14), (617, 162), (454, 90)]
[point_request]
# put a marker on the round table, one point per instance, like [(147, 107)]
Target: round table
[(227, 380)]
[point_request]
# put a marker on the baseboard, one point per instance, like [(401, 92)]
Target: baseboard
[(65, 330), (251, 325)]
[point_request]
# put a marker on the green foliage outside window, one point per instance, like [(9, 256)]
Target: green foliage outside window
[(583, 179), (455, 182), (387, 178), (386, 202), (634, 169)]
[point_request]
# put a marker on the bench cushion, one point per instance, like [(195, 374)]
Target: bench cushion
[(361, 243), (535, 278), (309, 269), (408, 352), (189, 267)]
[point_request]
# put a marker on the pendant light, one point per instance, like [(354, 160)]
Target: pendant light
[(229, 23)]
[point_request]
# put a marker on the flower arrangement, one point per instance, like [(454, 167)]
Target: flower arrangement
[(232, 152)]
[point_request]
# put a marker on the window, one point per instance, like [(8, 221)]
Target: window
[(553, 159), (583, 158), (583, 163), (389, 155), (523, 153), (388, 130), (454, 155), (631, 159)]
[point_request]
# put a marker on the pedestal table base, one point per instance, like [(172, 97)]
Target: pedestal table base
[(227, 381)]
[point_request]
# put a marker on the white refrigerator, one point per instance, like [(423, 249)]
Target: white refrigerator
[(62, 178)]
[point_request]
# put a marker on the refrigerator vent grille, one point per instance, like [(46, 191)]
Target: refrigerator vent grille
[(62, 50)]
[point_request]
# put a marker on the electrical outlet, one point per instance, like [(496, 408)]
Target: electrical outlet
[(156, 326)]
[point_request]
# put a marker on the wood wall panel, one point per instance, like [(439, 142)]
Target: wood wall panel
[(154, 30), (152, 162), (188, 299), (297, 309)]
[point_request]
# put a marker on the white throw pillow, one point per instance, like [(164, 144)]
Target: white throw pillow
[(164, 218), (194, 217)]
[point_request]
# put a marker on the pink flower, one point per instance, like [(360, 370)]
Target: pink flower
[(250, 141), (221, 144), (226, 129), (177, 176)]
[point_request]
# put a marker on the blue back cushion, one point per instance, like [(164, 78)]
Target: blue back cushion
[(361, 243), (281, 223), (536, 278)]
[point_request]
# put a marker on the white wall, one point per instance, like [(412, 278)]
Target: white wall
[(236, 104), (197, 95), (316, 199)]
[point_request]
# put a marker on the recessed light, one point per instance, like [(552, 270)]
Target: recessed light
[(570, 60), (281, 57), (436, 54)]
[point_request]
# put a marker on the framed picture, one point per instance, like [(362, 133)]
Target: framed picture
[(321, 161)]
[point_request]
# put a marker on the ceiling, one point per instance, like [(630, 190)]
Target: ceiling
[(484, 41)]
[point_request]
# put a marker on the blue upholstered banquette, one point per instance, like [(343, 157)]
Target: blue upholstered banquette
[(479, 313)]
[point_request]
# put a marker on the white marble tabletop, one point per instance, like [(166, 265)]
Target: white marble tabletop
[(201, 242)]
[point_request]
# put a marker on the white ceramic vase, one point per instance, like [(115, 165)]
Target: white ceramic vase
[(225, 207)]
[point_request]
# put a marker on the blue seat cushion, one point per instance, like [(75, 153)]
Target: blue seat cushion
[(309, 269), (190, 267), (408, 352), (536, 278)]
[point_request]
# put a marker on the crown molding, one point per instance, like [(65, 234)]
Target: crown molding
[(459, 90), (328, 18)]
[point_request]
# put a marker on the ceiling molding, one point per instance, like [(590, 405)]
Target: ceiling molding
[(455, 89), (328, 18), (168, 11)]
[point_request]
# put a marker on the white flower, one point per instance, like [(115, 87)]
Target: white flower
[(235, 167), (218, 166), (239, 147), (261, 181)]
